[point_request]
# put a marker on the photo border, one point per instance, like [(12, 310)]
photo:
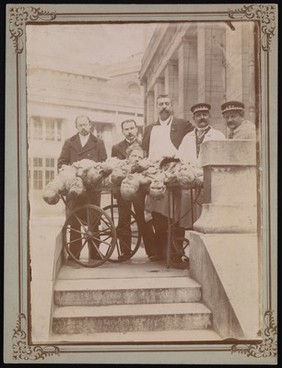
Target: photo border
[(18, 345)]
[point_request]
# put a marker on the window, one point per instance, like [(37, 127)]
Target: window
[(59, 130), (37, 129), (42, 172), (48, 129), (37, 162), (49, 176), (49, 162), (37, 179), (49, 170)]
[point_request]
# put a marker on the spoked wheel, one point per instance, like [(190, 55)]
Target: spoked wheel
[(112, 211), (89, 236)]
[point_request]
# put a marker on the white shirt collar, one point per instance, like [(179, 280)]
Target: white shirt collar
[(131, 142), (84, 139), (205, 128)]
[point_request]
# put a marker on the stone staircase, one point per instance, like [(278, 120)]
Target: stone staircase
[(129, 302)]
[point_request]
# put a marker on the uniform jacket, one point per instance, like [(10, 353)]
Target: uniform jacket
[(178, 129), (246, 130), (187, 149), (72, 150), (119, 149)]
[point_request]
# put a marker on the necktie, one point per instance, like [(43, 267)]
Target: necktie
[(200, 135)]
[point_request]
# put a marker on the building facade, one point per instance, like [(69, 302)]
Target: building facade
[(200, 62), (57, 92)]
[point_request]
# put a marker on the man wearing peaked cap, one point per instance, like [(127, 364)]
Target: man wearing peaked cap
[(201, 107), (232, 106), (240, 128), (189, 151)]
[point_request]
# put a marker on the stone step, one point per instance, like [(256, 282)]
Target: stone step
[(130, 291), (138, 337), (127, 318), (136, 267)]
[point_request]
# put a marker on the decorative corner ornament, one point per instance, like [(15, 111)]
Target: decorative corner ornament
[(18, 18), (263, 13), (21, 349), (268, 347)]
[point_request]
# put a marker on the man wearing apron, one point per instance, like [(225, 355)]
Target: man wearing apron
[(162, 139)]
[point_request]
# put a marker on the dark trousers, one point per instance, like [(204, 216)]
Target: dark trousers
[(76, 241), (124, 223), (160, 224)]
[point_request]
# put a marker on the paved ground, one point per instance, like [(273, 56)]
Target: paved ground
[(139, 266)]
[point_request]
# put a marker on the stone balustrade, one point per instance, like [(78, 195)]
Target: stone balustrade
[(230, 189), (224, 251)]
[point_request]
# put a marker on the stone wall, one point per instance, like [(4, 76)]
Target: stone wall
[(224, 253)]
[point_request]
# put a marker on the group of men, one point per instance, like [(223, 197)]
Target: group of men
[(168, 137)]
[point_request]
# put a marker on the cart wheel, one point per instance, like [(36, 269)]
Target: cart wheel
[(89, 236), (112, 211)]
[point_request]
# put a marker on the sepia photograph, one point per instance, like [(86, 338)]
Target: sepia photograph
[(142, 192)]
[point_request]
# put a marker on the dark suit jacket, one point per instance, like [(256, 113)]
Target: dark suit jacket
[(178, 129), (119, 149), (72, 150)]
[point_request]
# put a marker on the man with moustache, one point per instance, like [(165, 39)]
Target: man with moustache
[(162, 139), (240, 128), (83, 145), (123, 150), (190, 150)]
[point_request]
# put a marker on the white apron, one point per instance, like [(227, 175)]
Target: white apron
[(160, 147)]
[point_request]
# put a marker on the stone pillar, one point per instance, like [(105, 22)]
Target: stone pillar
[(234, 74), (171, 84), (187, 76), (183, 77), (144, 91), (159, 89), (150, 108), (224, 249), (201, 61), (230, 189)]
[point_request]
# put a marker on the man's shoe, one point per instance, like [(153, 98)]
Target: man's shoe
[(124, 256), (153, 258), (156, 258), (181, 263)]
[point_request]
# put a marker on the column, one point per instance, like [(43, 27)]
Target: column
[(159, 89), (144, 91), (234, 73), (171, 84), (150, 107), (183, 64), (201, 61)]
